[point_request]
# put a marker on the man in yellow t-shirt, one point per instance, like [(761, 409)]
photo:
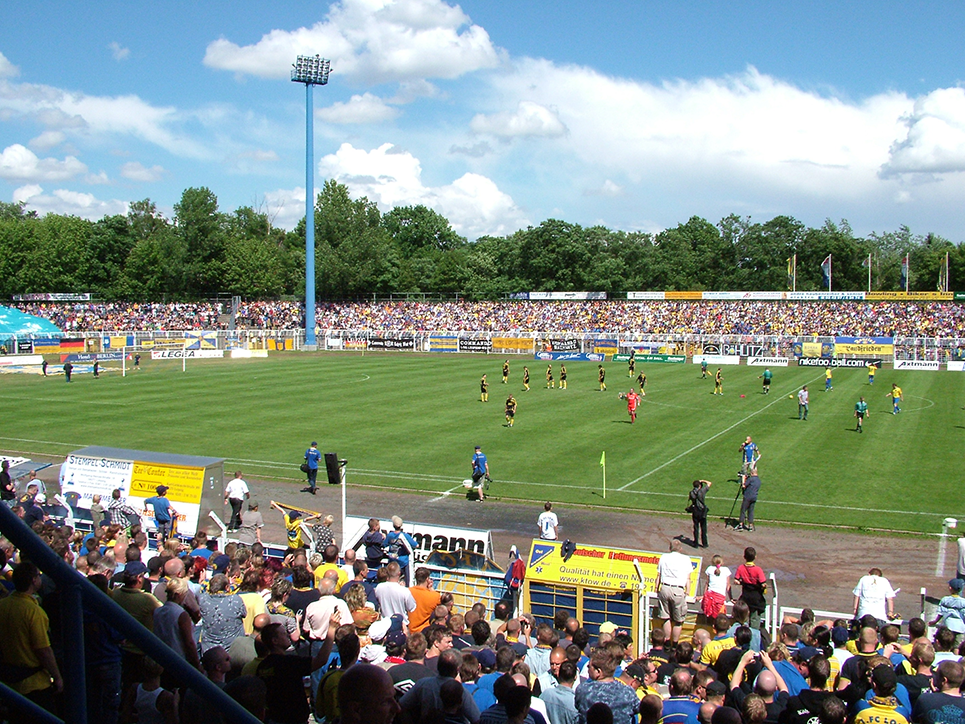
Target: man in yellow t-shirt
[(330, 563)]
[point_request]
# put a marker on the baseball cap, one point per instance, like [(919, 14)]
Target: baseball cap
[(806, 653), (607, 627), (161, 489), (220, 564), (636, 671), (478, 448), (716, 688), (380, 629), (956, 584), (135, 568), (396, 521), (486, 658), (314, 443), (839, 634), (884, 675), (397, 621)]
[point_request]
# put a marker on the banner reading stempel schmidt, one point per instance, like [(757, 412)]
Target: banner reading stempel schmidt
[(598, 567)]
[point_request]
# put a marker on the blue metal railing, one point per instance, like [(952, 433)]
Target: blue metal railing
[(78, 592)]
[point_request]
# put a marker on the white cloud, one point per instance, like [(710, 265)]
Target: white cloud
[(19, 163), (71, 203), (756, 134), (119, 52), (260, 155), (935, 141), (609, 188), (7, 69), (529, 119), (473, 203), (47, 140), (136, 172), (370, 41), (365, 108), (286, 207), (83, 114), (97, 179)]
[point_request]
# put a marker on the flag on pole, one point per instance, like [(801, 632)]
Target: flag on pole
[(790, 274), (943, 274), (603, 459), (826, 270), (904, 273), (603, 465), (866, 264)]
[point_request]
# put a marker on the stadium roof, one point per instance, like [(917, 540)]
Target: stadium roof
[(14, 323)]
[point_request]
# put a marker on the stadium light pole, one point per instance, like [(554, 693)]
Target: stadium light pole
[(310, 70)]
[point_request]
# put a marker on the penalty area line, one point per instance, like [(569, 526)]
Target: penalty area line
[(445, 494), (780, 398)]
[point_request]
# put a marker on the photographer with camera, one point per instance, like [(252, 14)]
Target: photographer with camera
[(697, 508)]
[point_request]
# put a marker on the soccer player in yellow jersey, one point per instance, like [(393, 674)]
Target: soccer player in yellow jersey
[(602, 376), (510, 410), (526, 379), (631, 363), (483, 390), (549, 377), (642, 382), (896, 397), (718, 383), (505, 372), (562, 376), (872, 368)]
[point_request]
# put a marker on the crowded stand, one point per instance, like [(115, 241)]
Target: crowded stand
[(759, 318), (326, 635)]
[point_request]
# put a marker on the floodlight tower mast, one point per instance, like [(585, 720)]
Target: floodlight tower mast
[(312, 71)]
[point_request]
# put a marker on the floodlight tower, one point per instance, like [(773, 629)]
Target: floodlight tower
[(312, 71)]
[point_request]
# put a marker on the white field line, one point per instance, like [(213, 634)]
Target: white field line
[(780, 398)]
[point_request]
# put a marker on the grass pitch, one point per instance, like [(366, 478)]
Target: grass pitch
[(411, 422)]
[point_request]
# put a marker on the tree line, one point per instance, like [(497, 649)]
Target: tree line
[(203, 252)]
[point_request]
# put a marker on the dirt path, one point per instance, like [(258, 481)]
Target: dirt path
[(814, 567)]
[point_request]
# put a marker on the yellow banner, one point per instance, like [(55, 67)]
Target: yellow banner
[(683, 295), (598, 567), (810, 349), (883, 349), (909, 296), (117, 342), (513, 343), (607, 349), (184, 483)]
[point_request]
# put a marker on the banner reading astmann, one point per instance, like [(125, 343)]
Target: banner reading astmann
[(137, 481), (597, 567)]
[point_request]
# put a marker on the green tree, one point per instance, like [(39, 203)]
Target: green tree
[(199, 226)]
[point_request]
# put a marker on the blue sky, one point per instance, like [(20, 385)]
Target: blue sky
[(499, 115)]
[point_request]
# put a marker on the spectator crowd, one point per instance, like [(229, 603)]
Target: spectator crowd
[(339, 636), (757, 318)]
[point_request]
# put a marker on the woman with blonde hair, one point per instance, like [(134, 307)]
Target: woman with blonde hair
[(363, 613), (717, 588)]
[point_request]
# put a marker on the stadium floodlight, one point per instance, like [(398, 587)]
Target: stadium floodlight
[(310, 70)]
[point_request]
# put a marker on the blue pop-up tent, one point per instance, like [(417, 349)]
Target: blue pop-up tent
[(14, 323)]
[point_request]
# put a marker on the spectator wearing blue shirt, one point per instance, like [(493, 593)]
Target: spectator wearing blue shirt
[(163, 513), (312, 458)]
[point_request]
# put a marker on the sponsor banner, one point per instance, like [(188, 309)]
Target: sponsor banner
[(92, 356), (606, 346), (683, 295), (914, 364), (570, 356), (46, 346), (835, 362), (959, 296), (40, 297), (392, 342), (185, 483), (864, 345), (117, 342), (767, 361), (354, 343), (239, 353), (599, 567), (738, 296), (25, 346), (201, 340), (476, 344), (717, 359), (620, 358), (15, 360), (645, 295), (825, 296), (443, 344), (333, 343), (94, 476), (561, 345), (522, 344), (812, 349), (673, 359), (564, 296), (428, 538), (910, 296), (956, 366), (187, 353)]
